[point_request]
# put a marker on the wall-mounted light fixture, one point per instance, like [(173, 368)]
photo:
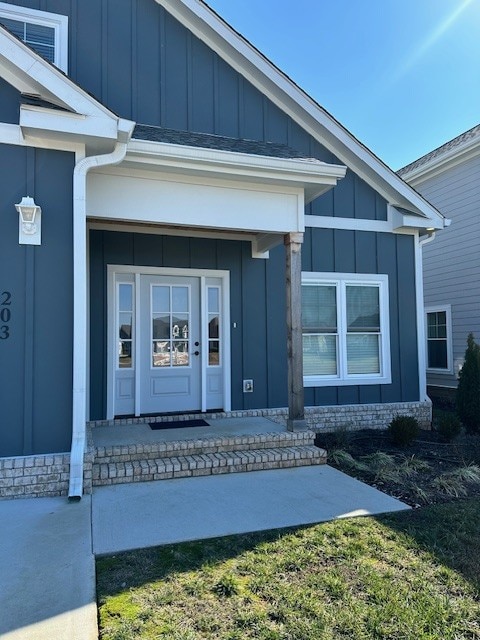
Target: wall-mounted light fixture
[(29, 222)]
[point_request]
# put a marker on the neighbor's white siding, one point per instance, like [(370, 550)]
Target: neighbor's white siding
[(452, 260)]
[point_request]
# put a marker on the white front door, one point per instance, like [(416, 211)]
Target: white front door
[(169, 356), (168, 341)]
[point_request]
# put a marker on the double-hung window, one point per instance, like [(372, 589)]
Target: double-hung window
[(439, 339), (45, 32), (345, 324)]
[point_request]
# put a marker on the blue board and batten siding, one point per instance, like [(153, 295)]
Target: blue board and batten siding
[(144, 65), (140, 62), (258, 343), (36, 349)]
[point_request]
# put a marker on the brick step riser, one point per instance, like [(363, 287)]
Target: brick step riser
[(181, 467), (167, 450)]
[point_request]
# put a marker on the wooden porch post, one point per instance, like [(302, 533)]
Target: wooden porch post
[(296, 409)]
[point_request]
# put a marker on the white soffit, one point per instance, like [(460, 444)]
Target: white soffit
[(204, 23), (314, 177)]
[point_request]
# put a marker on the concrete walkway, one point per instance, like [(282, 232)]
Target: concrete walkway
[(47, 583), (47, 575)]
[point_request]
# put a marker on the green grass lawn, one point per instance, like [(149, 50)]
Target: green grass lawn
[(411, 575)]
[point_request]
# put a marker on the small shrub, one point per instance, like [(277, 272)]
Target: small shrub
[(346, 461), (449, 426), (227, 586), (403, 430), (468, 391)]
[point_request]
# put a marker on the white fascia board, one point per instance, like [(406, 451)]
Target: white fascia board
[(266, 77), (28, 72), (443, 162), (401, 220), (314, 176), (12, 134), (40, 122)]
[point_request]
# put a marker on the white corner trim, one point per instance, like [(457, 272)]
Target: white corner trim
[(266, 77), (421, 344), (56, 21)]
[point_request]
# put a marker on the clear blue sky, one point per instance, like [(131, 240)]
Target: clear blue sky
[(402, 75)]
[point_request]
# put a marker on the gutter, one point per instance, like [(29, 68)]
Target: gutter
[(124, 133)]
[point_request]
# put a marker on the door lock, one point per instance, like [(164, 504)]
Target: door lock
[(196, 353)]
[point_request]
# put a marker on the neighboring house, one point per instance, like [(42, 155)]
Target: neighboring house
[(449, 177), (188, 214)]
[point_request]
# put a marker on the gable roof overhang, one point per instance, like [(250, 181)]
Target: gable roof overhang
[(68, 113), (448, 155), (209, 27)]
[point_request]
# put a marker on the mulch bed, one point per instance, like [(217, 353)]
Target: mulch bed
[(429, 447)]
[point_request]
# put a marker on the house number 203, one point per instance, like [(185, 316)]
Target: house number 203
[(5, 314)]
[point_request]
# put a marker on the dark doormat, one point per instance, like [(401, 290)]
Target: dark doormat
[(178, 424)]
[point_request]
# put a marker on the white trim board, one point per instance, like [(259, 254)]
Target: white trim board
[(190, 201), (136, 272)]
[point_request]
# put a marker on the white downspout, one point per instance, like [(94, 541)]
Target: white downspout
[(421, 342), (124, 133)]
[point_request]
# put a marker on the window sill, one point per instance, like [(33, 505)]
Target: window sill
[(343, 382)]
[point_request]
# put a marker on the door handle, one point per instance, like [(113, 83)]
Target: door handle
[(196, 353)]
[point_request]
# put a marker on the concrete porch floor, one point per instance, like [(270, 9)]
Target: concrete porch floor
[(141, 433)]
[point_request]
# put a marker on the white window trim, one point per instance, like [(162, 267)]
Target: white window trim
[(341, 280), (55, 21), (447, 308)]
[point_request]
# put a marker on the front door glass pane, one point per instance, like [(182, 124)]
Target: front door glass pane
[(161, 327), (170, 326), (180, 299), (214, 319), (125, 326)]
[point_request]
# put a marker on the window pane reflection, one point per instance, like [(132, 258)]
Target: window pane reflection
[(161, 327), (160, 354), (125, 297), (160, 299), (214, 353), (319, 355), (213, 327), (124, 354), (180, 299), (180, 355), (213, 300), (125, 326)]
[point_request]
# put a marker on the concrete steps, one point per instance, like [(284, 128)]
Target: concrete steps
[(205, 456)]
